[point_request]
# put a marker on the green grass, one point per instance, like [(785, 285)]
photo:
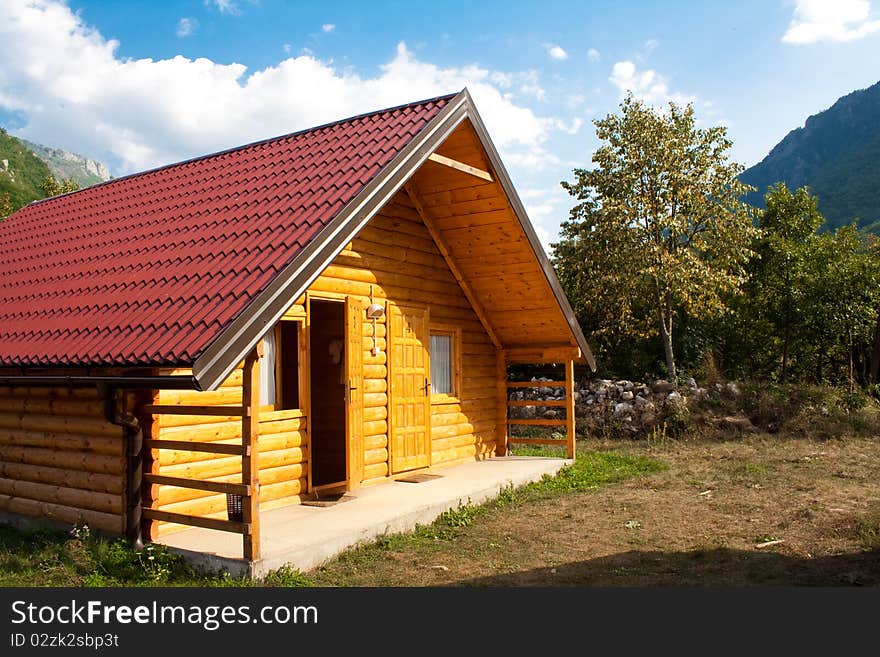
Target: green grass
[(286, 577), (539, 450), (867, 531), (589, 471), (751, 469), (80, 558), (764, 538)]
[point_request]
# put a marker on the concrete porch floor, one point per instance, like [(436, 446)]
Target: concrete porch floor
[(306, 536)]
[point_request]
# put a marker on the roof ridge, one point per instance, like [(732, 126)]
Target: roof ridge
[(248, 145)]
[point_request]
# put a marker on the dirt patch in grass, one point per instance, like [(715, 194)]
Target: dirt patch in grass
[(702, 521)]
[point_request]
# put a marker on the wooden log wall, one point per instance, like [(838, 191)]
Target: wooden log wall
[(60, 459), (283, 453), (395, 256)]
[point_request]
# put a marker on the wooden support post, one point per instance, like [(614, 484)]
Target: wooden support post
[(569, 410), (150, 456), (250, 469), (501, 439)]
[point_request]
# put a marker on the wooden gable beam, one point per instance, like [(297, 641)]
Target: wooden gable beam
[(460, 166), (447, 256), (543, 354)]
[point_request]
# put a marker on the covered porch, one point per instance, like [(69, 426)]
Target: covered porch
[(305, 536), (255, 540)]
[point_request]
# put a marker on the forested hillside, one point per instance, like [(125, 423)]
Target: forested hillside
[(21, 172), (836, 154)]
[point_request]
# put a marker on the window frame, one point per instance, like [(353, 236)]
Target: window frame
[(454, 332), (277, 365)]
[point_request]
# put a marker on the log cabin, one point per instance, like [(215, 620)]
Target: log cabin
[(329, 309)]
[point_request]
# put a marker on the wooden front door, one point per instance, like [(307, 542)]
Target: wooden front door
[(410, 401)]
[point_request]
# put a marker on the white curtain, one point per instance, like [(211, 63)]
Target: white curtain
[(441, 364), (267, 369)]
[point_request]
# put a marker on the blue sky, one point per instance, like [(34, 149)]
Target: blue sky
[(138, 84)]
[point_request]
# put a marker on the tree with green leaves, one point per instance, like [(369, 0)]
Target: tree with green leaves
[(662, 215), (50, 187), (53, 187), (844, 295), (779, 288), (6, 207)]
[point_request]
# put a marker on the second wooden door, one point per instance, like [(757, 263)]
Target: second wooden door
[(410, 405)]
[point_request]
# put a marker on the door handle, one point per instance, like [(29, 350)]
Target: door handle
[(427, 386)]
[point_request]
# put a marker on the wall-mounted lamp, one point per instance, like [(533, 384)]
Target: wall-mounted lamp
[(374, 312)]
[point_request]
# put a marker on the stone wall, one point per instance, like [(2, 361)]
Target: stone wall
[(627, 407)]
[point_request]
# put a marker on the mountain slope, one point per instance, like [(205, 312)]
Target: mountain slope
[(21, 172), (64, 165), (837, 154)]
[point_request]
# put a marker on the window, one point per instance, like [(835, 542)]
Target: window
[(441, 363), (268, 389), (445, 369), (279, 371)]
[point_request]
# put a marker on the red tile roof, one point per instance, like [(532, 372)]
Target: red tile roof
[(149, 269)]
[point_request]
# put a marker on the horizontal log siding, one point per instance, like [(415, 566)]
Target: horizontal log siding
[(283, 457), (394, 253), (60, 459)]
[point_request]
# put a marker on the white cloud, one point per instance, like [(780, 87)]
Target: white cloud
[(815, 21), (650, 46), (74, 91), (570, 128), (503, 80), (530, 85), (533, 158), (593, 55), (328, 27), (530, 193), (186, 27), (224, 6), (648, 85), (556, 52), (653, 89)]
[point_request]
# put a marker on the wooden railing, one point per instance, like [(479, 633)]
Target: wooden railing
[(568, 403), (248, 488)]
